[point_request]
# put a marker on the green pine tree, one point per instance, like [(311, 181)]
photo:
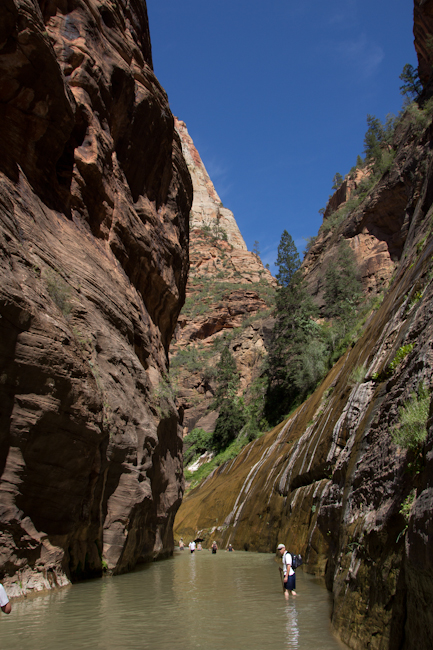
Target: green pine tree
[(288, 261), (294, 332), (373, 139), (227, 377), (412, 86), (337, 181), (256, 249), (231, 418)]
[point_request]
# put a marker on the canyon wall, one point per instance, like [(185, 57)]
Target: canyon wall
[(94, 202), (332, 481), (373, 233), (228, 297)]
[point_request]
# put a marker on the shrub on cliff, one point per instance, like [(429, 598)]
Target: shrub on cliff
[(312, 366), (413, 416), (215, 231), (309, 243), (342, 285), (228, 426), (339, 215), (58, 290), (196, 443)]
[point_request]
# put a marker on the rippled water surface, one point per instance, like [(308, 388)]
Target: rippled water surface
[(227, 601)]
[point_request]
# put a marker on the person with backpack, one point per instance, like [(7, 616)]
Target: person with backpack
[(289, 582), (4, 601)]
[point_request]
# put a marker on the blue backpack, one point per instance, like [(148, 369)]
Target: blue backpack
[(296, 560)]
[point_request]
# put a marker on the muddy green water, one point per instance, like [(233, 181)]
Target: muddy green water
[(227, 601)]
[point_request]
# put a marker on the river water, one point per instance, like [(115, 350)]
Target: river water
[(227, 601)]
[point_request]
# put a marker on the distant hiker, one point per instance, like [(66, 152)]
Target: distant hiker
[(214, 547), (199, 547), (181, 544), (289, 582), (192, 546), (4, 601), (230, 548)]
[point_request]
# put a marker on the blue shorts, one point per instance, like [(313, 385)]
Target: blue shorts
[(290, 585)]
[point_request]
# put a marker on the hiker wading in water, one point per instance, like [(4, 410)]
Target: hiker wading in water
[(289, 582), (4, 601)]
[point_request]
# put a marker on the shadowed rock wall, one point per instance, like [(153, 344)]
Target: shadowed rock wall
[(94, 203)]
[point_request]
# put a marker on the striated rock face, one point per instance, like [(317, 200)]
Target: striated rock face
[(94, 203), (423, 28), (331, 481), (207, 207), (227, 285)]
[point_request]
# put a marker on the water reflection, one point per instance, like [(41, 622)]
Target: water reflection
[(292, 627), (230, 601)]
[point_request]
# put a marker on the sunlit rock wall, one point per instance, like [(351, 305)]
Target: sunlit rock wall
[(227, 285), (94, 204)]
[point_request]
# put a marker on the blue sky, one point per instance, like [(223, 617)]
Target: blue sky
[(275, 96)]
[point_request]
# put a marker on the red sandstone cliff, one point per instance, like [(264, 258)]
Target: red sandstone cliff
[(375, 231), (94, 203), (227, 288)]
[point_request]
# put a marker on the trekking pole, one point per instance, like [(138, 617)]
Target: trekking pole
[(281, 576)]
